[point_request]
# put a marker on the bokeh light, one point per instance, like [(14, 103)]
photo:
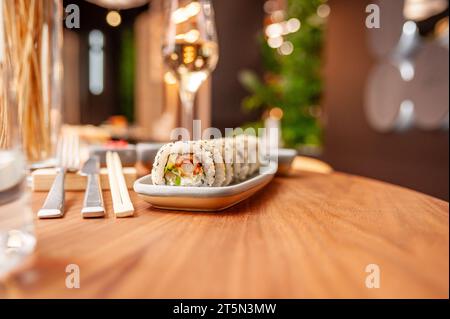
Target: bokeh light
[(113, 18)]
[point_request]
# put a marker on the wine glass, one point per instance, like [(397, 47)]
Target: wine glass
[(190, 49)]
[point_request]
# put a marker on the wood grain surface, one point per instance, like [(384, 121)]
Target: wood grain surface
[(42, 179), (308, 235)]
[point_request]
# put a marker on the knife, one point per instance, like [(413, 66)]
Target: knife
[(93, 199)]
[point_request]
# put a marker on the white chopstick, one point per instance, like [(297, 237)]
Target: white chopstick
[(119, 192)]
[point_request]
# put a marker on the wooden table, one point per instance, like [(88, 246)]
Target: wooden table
[(308, 235)]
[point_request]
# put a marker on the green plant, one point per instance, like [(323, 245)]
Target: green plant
[(292, 82), (127, 69)]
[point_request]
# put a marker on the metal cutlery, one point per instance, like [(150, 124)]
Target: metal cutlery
[(68, 157), (93, 200)]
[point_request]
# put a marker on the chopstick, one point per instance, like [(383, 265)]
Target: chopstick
[(121, 198)]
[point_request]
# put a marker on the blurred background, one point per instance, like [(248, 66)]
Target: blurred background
[(362, 87)]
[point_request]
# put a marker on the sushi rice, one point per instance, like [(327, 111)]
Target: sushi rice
[(207, 163)]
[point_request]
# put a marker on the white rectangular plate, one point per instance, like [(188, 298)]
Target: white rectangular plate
[(200, 198)]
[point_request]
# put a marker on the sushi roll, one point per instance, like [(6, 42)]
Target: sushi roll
[(241, 158), (253, 154), (219, 165), (236, 159), (159, 164), (225, 145), (183, 164), (211, 163)]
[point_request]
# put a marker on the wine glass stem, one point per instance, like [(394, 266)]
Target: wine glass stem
[(187, 111)]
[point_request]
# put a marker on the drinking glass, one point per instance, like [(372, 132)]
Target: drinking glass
[(33, 34), (16, 220), (190, 49)]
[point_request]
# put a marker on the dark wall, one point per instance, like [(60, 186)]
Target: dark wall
[(94, 109), (238, 25), (416, 159)]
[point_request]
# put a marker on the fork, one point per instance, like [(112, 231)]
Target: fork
[(68, 157)]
